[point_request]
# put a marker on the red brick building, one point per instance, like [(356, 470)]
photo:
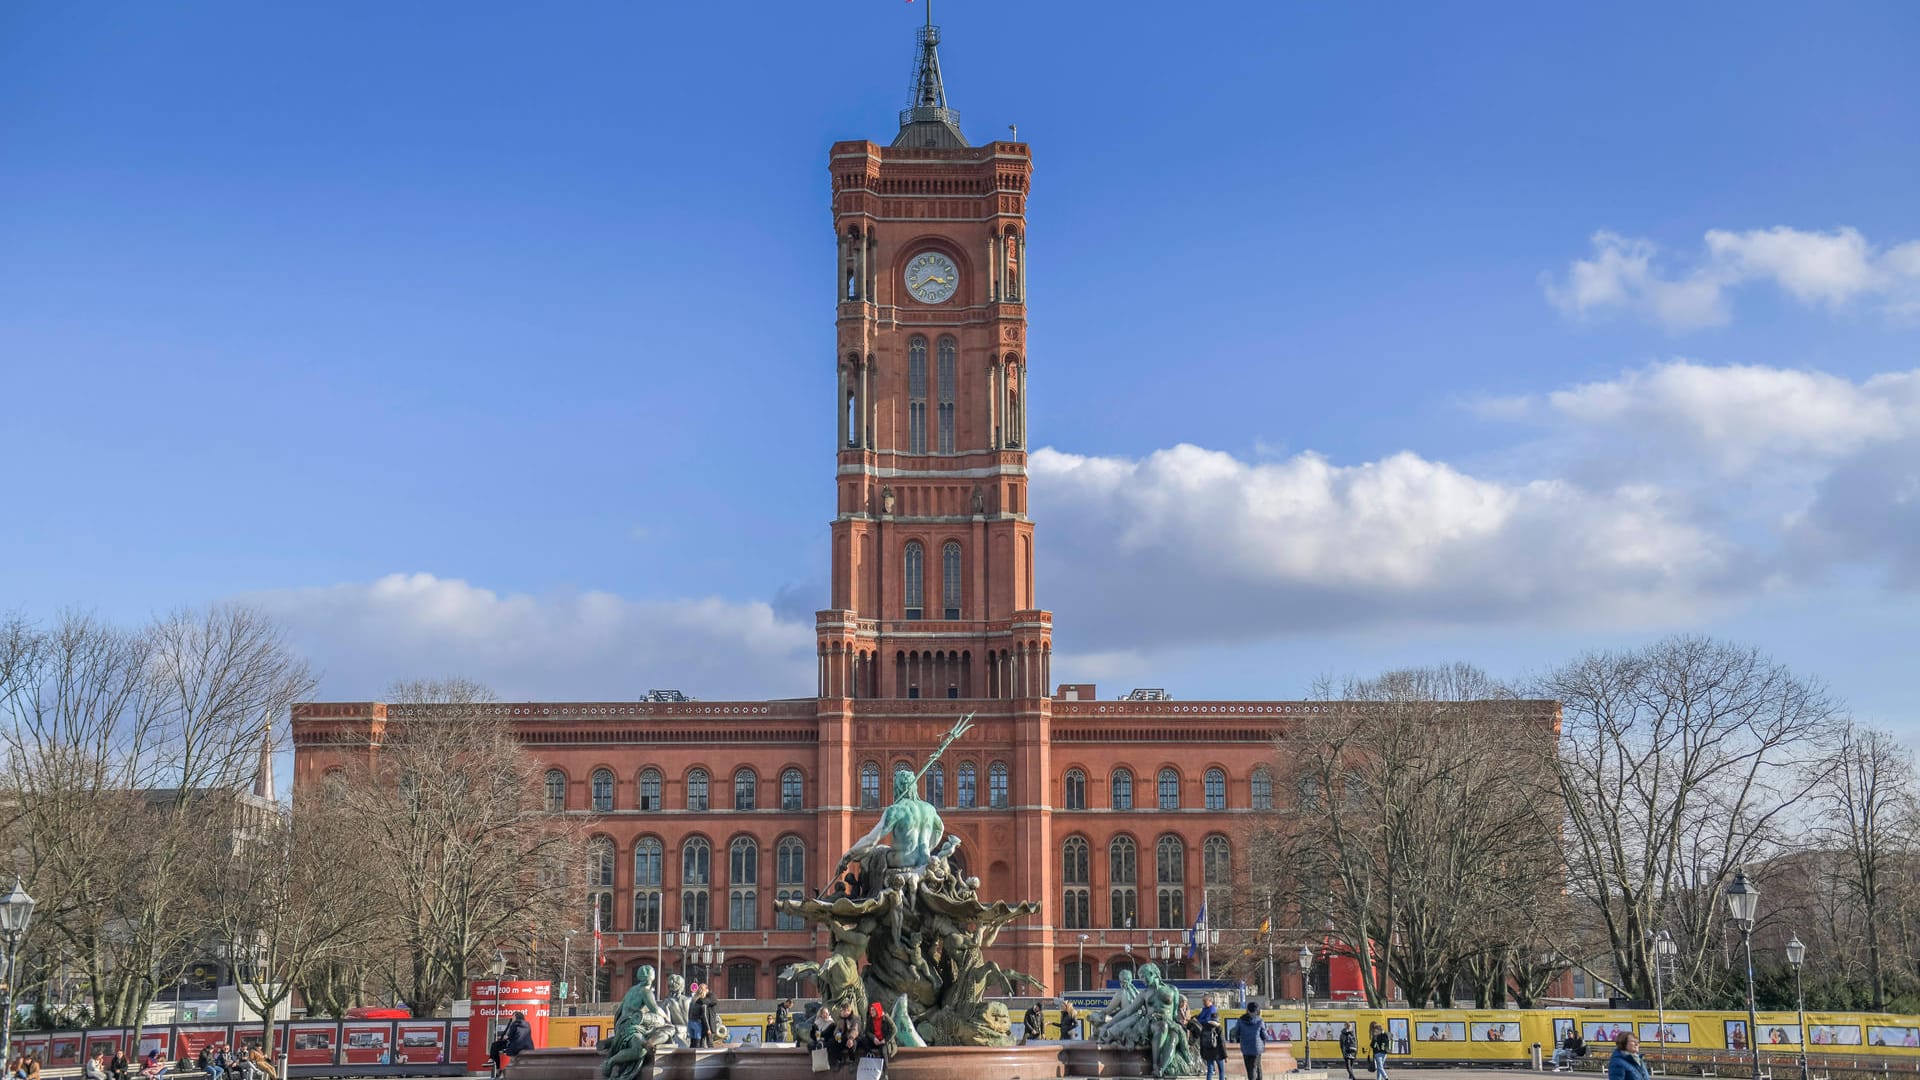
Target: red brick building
[(1122, 816)]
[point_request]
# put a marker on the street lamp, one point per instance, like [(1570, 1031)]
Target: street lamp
[(1306, 1004), (1080, 964), (1663, 952), (1797, 955), (1743, 900), (15, 912)]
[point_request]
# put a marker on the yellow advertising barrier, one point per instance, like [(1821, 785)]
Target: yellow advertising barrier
[(1473, 1034)]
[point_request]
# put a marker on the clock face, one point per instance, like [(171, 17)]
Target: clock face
[(932, 277)]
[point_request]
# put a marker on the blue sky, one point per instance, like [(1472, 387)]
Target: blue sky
[(496, 339)]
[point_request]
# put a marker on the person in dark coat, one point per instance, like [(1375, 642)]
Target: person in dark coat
[(1069, 1020), (514, 1039), (782, 1027), (709, 1016), (1210, 1032), (876, 1035), (1349, 1047), (1034, 1024)]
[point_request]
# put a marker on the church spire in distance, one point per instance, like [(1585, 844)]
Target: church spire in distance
[(927, 121)]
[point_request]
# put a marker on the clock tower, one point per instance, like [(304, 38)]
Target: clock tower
[(932, 547)]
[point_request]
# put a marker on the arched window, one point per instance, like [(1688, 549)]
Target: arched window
[(1216, 789), (969, 791), (1076, 790), (1122, 790), (746, 789), (696, 873), (1077, 880), (869, 786), (1170, 877), (1216, 869), (650, 784), (1262, 788), (947, 380), (793, 791), (1169, 789), (602, 790), (743, 884), (647, 877), (600, 880), (917, 395), (997, 785), (950, 580), (1016, 426), (1309, 792), (1355, 788), (790, 880), (556, 789), (697, 789), (937, 785), (1123, 879), (914, 567)]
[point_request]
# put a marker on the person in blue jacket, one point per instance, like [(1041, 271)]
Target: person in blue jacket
[(1253, 1039), (1626, 1063)]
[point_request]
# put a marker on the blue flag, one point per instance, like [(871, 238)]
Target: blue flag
[(1193, 935)]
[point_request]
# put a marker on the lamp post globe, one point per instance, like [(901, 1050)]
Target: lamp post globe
[(1306, 1006), (1797, 955), (1743, 904), (16, 911)]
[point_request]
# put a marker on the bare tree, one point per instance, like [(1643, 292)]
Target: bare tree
[(287, 900), (129, 756), (459, 853), (1424, 820), (1865, 797), (1679, 763)]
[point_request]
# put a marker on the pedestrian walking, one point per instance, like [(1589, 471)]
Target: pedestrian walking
[(1069, 1020), (1349, 1048), (1211, 1035), (1253, 1039), (1626, 1063), (1378, 1044)]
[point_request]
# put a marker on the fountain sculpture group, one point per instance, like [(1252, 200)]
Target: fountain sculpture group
[(911, 934)]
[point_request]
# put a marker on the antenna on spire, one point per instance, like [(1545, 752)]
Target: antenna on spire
[(926, 121)]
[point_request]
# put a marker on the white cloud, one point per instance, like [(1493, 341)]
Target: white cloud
[(1834, 269), (365, 635), (1189, 543), (1739, 415)]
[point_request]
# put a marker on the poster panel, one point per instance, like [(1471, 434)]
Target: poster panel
[(63, 1051), (1562, 1027), (1494, 1031), (152, 1042), (1326, 1031), (1736, 1034), (1893, 1036), (1833, 1035), (1433, 1031), (31, 1044), (310, 1044), (1671, 1033), (420, 1043), (367, 1043), (1780, 1035), (589, 1035), (105, 1045), (1604, 1031), (1398, 1037), (194, 1040)]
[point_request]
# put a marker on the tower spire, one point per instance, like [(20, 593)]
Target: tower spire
[(926, 121)]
